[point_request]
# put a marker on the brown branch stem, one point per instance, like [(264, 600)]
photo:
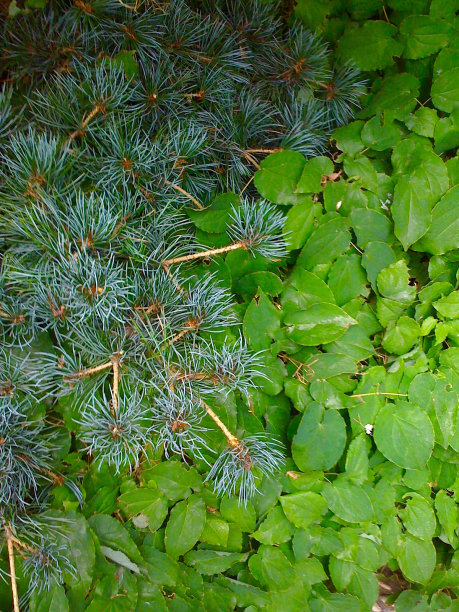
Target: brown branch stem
[(95, 111), (89, 371), (196, 202), (232, 440), (203, 254), (116, 382), (13, 579), (180, 335), (251, 159), (262, 150)]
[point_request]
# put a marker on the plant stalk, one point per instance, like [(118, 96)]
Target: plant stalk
[(196, 202), (232, 440), (13, 579), (203, 254)]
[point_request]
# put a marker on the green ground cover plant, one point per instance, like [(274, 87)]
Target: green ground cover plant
[(350, 332), (363, 327)]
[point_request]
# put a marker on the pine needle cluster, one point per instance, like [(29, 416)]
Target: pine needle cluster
[(115, 120)]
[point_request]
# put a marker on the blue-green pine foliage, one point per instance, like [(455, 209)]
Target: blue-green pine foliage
[(116, 121)]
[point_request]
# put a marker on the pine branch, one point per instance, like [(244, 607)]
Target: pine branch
[(204, 254), (14, 587), (232, 440), (196, 202)]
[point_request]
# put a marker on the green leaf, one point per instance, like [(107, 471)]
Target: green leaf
[(417, 559), (393, 283), (210, 562), (347, 278), (411, 210), (261, 322), (371, 225), (445, 90), (423, 35), (303, 289), (119, 558), (75, 535), (377, 256), (52, 600), (300, 221), (272, 568), (395, 97), (113, 535), (314, 172), (357, 463), (162, 569), (447, 514), (247, 594), (446, 133), (115, 593), (448, 306), (404, 434), (215, 217), (150, 598), (278, 177), (312, 12), (349, 502), (275, 529), (318, 324), (325, 244), (443, 234), (303, 509), (335, 602), (348, 138), (423, 122), (380, 134), (215, 532), (401, 336), (243, 515), (361, 169), (145, 506), (370, 46), (418, 517), (249, 284), (127, 61), (320, 439), (173, 479), (185, 525)]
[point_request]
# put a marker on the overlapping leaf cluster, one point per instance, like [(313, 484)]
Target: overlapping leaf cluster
[(364, 331)]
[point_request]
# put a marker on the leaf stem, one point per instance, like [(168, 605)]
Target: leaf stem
[(379, 393)]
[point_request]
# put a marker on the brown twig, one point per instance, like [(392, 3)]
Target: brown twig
[(95, 111), (251, 159), (180, 335), (116, 382), (196, 202), (89, 371), (14, 585), (262, 150), (128, 6), (203, 254), (232, 440)]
